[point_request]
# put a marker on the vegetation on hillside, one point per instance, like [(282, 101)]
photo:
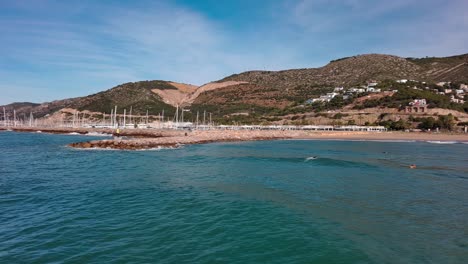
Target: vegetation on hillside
[(268, 95)]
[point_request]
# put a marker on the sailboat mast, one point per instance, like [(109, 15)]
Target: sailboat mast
[(177, 115), (115, 117), (4, 117), (124, 122), (73, 122), (112, 118), (182, 113)]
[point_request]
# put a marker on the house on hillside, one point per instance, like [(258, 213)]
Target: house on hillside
[(372, 83), (323, 98), (338, 89), (456, 100), (416, 106), (373, 90)]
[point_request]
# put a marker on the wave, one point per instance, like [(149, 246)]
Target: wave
[(311, 158), (112, 149), (93, 134), (393, 140), (354, 140), (342, 163), (98, 134), (159, 148), (311, 161), (442, 142)]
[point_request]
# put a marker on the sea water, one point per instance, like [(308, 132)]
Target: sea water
[(249, 202)]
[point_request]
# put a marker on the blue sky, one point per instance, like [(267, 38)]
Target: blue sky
[(57, 49)]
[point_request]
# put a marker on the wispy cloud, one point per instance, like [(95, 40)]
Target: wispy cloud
[(54, 49), (151, 41), (401, 27)]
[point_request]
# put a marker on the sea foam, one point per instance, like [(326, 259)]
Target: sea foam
[(442, 142)]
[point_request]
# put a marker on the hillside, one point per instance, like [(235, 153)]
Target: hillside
[(264, 90), (138, 95), (348, 71), (255, 93), (454, 68)]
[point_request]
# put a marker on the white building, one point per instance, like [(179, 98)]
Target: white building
[(323, 98), (418, 102), (456, 100), (402, 81), (338, 89), (373, 90)]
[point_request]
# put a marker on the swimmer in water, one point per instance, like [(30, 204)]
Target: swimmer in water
[(412, 166)]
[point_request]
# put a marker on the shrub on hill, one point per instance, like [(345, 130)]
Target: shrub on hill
[(443, 122)]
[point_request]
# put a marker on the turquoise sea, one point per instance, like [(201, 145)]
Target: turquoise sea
[(248, 202)]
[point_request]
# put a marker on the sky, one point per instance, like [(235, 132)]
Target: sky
[(53, 49)]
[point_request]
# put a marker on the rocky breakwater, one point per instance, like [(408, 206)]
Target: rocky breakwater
[(195, 137), (134, 133)]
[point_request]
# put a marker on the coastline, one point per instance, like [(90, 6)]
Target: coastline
[(204, 137), (140, 139)]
